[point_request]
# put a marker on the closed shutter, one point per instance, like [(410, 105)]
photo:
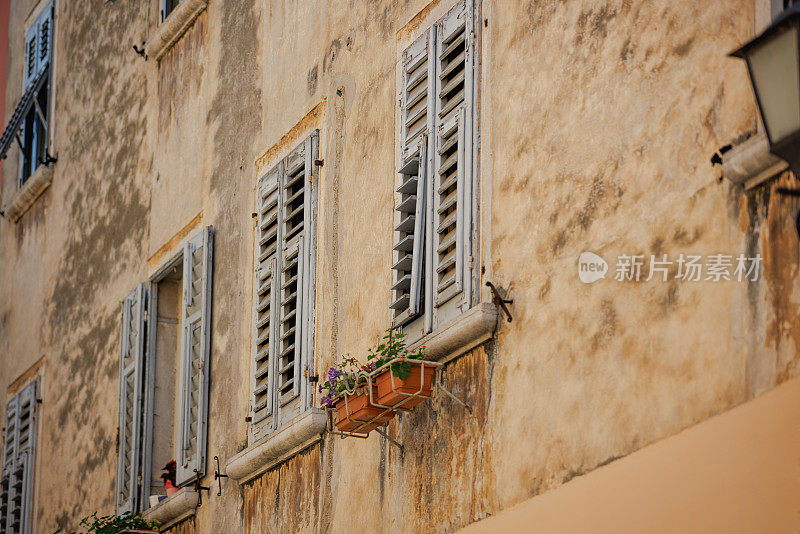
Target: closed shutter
[(31, 48), (45, 39), (194, 360), (416, 123), (452, 180), (284, 289), (24, 471), (131, 375), (266, 295), (9, 455)]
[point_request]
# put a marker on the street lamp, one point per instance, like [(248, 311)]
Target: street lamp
[(773, 62)]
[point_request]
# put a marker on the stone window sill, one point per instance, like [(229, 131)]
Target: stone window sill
[(293, 437), (467, 331), (175, 25), (29, 192), (750, 163), (173, 509)]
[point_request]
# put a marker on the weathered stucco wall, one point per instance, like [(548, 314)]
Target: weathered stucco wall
[(598, 122)]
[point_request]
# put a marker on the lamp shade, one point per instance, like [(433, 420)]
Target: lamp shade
[(773, 61)]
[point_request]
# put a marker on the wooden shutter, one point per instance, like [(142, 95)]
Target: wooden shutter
[(410, 207), (284, 289), (194, 360), (44, 26), (31, 49), (452, 180), (266, 299), (131, 375), (19, 448)]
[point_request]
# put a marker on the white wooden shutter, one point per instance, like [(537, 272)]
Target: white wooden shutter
[(17, 483), (452, 180), (24, 470), (195, 357), (266, 300), (131, 375), (410, 206), (284, 290), (31, 54), (44, 26)]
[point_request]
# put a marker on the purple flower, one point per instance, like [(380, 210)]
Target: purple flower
[(332, 374)]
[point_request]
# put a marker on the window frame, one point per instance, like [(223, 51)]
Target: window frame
[(435, 314), (36, 144), (279, 414)]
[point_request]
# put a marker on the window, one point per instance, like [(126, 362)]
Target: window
[(779, 5), (19, 461), (435, 203), (284, 290), (34, 126), (164, 371), (167, 6)]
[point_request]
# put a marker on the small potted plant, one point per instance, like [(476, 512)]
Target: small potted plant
[(401, 384), (346, 391)]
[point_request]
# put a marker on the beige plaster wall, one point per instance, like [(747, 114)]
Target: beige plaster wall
[(736, 472)]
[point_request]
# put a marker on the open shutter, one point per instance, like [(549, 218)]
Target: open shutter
[(308, 258), (44, 26), (194, 361), (131, 375), (266, 301), (416, 124), (31, 54), (452, 188)]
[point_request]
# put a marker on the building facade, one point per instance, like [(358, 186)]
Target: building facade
[(207, 204)]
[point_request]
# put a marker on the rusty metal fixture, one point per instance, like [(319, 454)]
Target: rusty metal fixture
[(140, 51), (218, 476), (499, 301), (199, 489)]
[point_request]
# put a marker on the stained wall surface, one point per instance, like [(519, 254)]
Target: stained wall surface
[(598, 122)]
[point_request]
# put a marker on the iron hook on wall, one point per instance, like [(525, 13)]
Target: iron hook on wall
[(218, 476), (499, 301)]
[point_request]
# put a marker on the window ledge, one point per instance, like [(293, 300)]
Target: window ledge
[(29, 192), (470, 329), (750, 163), (175, 25), (173, 509), (293, 437)]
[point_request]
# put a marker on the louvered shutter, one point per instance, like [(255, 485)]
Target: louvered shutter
[(416, 123), (31, 54), (44, 26), (297, 172), (266, 301), (284, 289), (194, 361), (131, 375), (452, 180), (9, 455), (24, 471)]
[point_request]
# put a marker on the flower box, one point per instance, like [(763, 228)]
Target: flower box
[(356, 413), (404, 394)]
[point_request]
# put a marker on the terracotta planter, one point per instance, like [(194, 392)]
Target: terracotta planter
[(388, 396), (354, 410)]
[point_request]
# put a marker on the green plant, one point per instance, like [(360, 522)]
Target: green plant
[(344, 376), (393, 348), (114, 524)]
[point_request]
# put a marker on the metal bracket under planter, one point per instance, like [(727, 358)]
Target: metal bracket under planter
[(375, 422)]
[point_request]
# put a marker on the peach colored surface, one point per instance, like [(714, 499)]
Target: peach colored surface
[(736, 472)]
